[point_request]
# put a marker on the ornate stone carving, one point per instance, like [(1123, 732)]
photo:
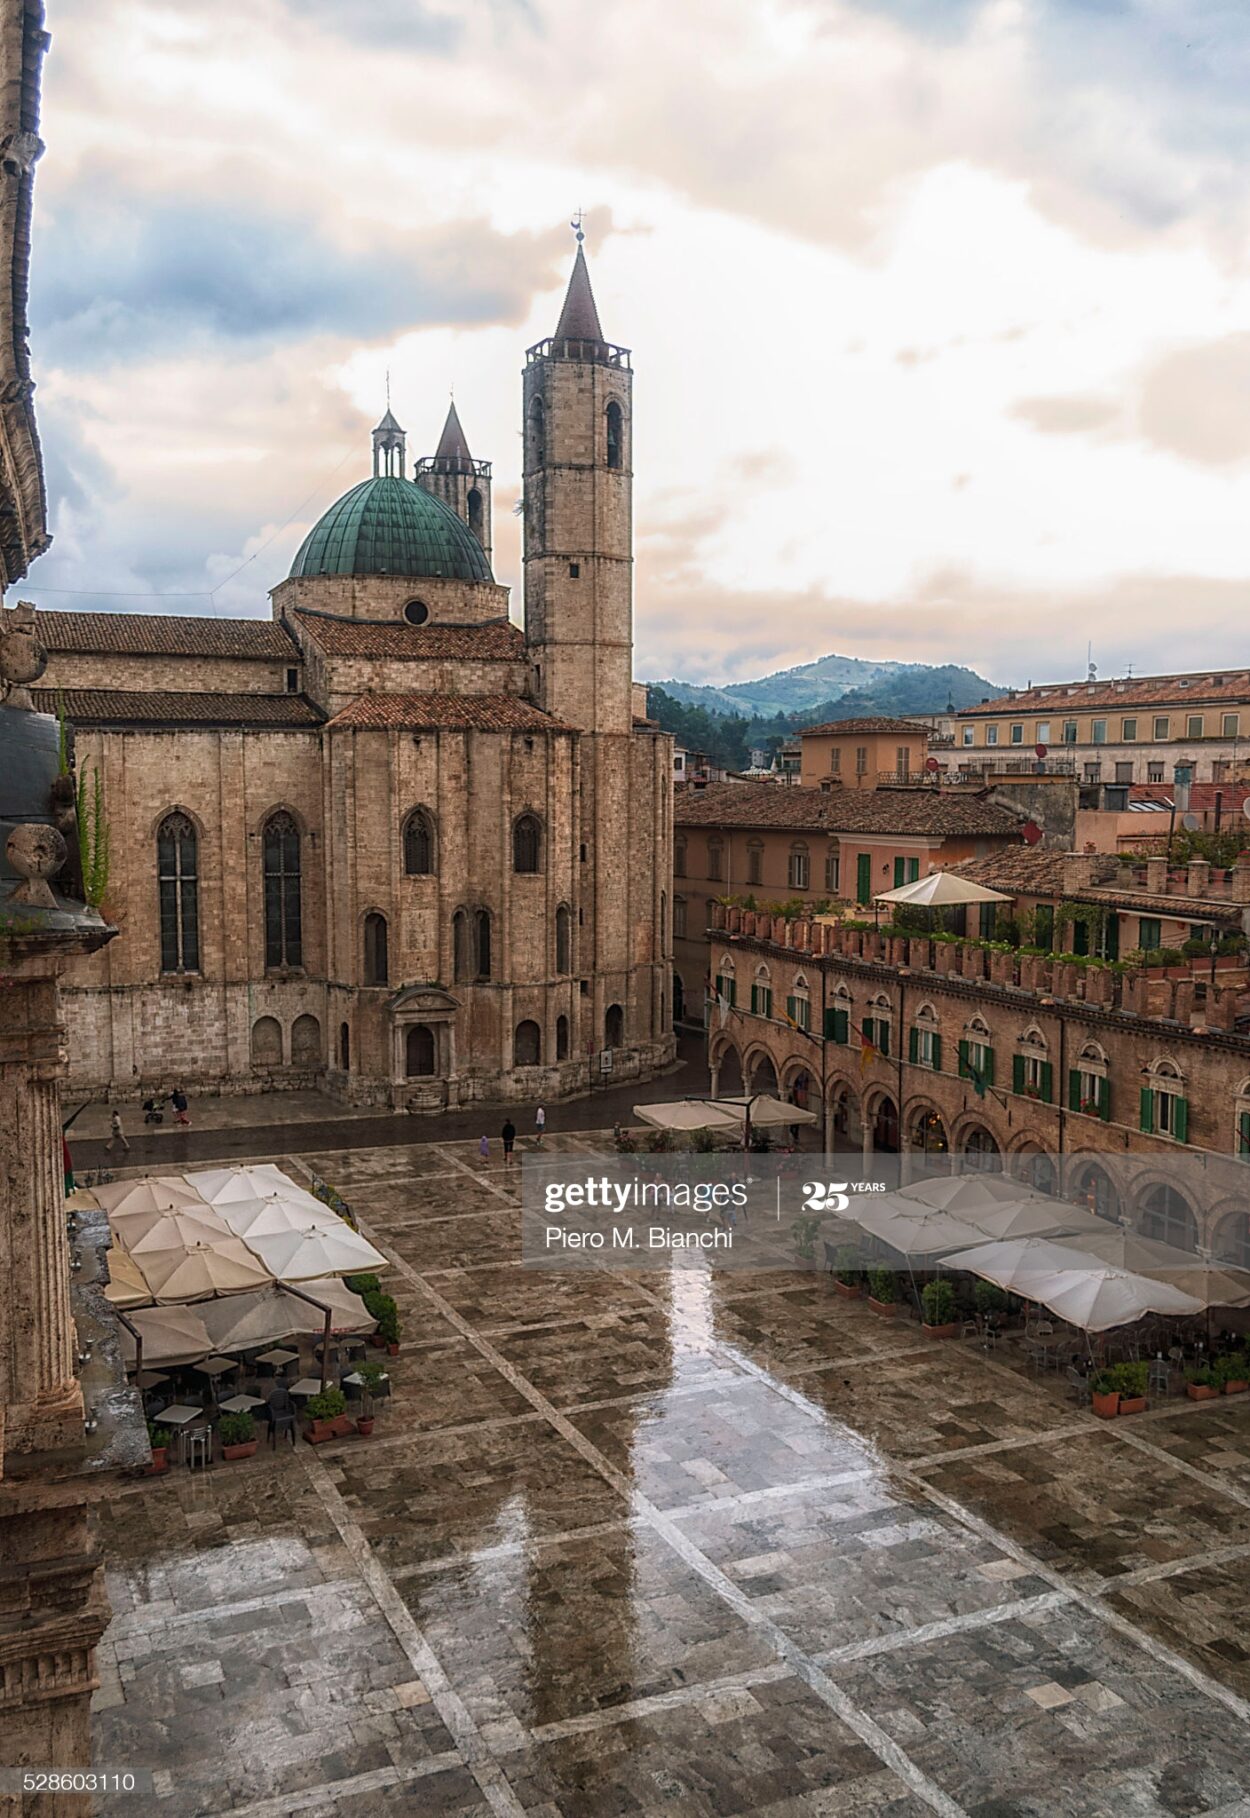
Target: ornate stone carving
[(23, 658), (36, 852)]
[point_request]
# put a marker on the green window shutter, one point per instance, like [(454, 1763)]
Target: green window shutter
[(768, 1001), (883, 1038), (733, 991), (937, 1052), (964, 1067), (1080, 937), (831, 1025), (1074, 1088), (792, 1009), (1017, 1073), (1048, 1082), (900, 872), (1150, 933), (1044, 926), (1180, 1119), (1147, 1110), (842, 1026), (913, 870), (863, 878), (1111, 937), (868, 1031), (913, 1046), (1104, 1100), (1243, 1135), (989, 1066), (805, 1013), (755, 1000)]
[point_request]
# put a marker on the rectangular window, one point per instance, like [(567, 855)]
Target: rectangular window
[(1069, 732), (1229, 725), (1042, 732), (715, 860), (761, 1000), (1124, 772), (292, 681), (1193, 726), (969, 734), (799, 871), (1149, 933), (925, 1048), (1098, 732), (837, 1025), (902, 760), (831, 874), (799, 1010), (679, 917), (976, 1062), (876, 1034), (1128, 731), (991, 735), (1154, 773), (1093, 772), (575, 569), (861, 759), (1031, 1077), (1162, 726), (727, 987), (1017, 735), (835, 760), (1089, 1093), (1171, 1116), (755, 864)]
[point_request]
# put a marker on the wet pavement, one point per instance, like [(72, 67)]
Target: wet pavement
[(669, 1544)]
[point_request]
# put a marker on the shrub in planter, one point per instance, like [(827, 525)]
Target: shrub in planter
[(660, 1142), (371, 1376), (382, 1307), (1202, 1384), (361, 1284), (848, 1272), (160, 1439), (1130, 1380), (326, 1416), (1105, 1394), (988, 1297), (881, 1291), (1233, 1372), (939, 1309), (238, 1435)]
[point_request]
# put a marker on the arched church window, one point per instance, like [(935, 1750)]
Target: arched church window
[(616, 434), (462, 947), (564, 959), (474, 503), (482, 925), (419, 844), (527, 835), (562, 1038), (377, 965), (177, 869), (283, 933)]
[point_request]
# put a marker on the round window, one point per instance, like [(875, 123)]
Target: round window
[(416, 612)]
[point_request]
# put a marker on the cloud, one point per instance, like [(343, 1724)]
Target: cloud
[(1068, 416), (1193, 402)]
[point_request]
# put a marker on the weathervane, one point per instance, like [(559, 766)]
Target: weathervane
[(576, 225)]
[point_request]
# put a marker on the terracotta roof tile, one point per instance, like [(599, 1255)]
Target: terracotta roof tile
[(913, 811), (448, 712), (880, 723), (161, 634), (1034, 871), (497, 641), (1058, 698), (163, 707)]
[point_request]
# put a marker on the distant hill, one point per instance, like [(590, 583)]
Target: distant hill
[(868, 687)]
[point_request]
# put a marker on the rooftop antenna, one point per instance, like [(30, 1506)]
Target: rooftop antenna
[(1091, 667), (388, 388), (576, 225)]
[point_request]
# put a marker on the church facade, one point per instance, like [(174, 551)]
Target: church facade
[(388, 841)]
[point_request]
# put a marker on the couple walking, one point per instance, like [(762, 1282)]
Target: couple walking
[(508, 1135)]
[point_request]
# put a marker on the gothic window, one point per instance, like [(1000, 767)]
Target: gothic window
[(178, 880), (283, 937), (564, 945), (419, 844), (527, 1045), (462, 947), (616, 434), (562, 1038), (482, 927), (527, 842), (377, 968)]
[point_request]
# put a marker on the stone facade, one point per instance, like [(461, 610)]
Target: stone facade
[(473, 899)]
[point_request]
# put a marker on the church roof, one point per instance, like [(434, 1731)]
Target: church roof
[(446, 712), (579, 319), (161, 634), (498, 641), (188, 711), (391, 526), (452, 445)]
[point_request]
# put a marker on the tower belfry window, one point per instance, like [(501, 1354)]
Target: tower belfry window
[(538, 433), (615, 434)]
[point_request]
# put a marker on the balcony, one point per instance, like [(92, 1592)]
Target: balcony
[(594, 353)]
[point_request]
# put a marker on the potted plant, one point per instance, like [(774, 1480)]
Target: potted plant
[(1105, 1394), (238, 1435), (361, 1284), (160, 1439), (384, 1310), (848, 1274), (326, 1417), (1202, 1383), (372, 1376), (1130, 1379), (939, 1309), (1233, 1372), (803, 1231), (881, 1292)]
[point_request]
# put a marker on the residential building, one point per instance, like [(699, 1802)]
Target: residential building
[(859, 754)]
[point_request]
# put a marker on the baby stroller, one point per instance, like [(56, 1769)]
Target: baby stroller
[(152, 1113)]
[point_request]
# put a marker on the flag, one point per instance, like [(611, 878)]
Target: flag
[(978, 1080), (799, 1029), (867, 1051)]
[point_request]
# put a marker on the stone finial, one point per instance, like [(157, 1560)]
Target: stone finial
[(23, 658), (36, 852)]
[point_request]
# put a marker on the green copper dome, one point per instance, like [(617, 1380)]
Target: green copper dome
[(390, 526)]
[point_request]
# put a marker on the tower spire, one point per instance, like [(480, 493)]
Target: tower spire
[(452, 445), (579, 319)]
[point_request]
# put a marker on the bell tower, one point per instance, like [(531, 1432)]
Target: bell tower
[(578, 487), (453, 476)]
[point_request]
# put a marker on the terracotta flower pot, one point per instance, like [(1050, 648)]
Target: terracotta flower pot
[(160, 1461), (849, 1290), (948, 1331), (364, 1426), (243, 1450), (1236, 1388), (1132, 1404), (1106, 1406), (341, 1425), (1200, 1391), (888, 1309), (317, 1432), (392, 1350)]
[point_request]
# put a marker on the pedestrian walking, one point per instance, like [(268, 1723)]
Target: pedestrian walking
[(540, 1124), (118, 1135), (483, 1148), (508, 1133), (178, 1099)]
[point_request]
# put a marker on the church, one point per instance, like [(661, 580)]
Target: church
[(387, 842)]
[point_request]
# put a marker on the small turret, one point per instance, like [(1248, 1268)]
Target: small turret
[(452, 475)]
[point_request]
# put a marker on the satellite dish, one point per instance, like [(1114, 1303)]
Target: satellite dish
[(1245, 807), (1031, 833), (1190, 822), (1039, 750)]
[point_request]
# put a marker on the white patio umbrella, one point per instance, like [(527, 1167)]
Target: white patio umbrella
[(1081, 1290), (201, 1270), (687, 1114), (912, 1231), (244, 1320), (140, 1231), (1215, 1284), (961, 1192), (126, 1284), (153, 1193), (941, 890), (271, 1216), (304, 1255), (765, 1112), (220, 1185), (170, 1335)]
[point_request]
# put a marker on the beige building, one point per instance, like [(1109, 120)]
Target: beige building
[(859, 754), (388, 840), (1137, 729)]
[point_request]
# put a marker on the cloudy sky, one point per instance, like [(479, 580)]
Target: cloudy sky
[(940, 309)]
